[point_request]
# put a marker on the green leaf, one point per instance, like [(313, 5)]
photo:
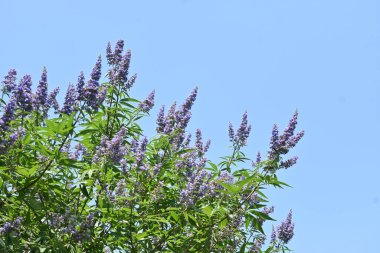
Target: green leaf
[(84, 190), (234, 189), (208, 210)]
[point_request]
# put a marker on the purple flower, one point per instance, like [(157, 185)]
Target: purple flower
[(206, 146), (79, 150), (11, 226), (9, 81), (41, 96), (52, 99), (240, 138), (140, 153), (231, 132), (92, 86), (118, 51), (199, 185), (80, 86), (286, 230), (118, 74), (198, 140), (273, 236), (283, 143), (123, 165), (292, 141), (170, 119), (8, 115), (161, 120), (109, 54), (157, 168), (6, 143), (70, 100), (289, 130), (102, 95), (183, 115), (258, 159), (274, 142), (186, 143), (243, 131), (289, 163), (23, 94), (148, 103), (131, 81), (112, 149)]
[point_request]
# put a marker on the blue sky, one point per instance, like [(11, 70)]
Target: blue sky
[(267, 57)]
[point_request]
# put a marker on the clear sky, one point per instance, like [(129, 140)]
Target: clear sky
[(267, 57)]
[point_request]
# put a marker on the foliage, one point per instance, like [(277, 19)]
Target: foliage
[(83, 178)]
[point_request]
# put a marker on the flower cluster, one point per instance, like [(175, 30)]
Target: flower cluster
[(70, 100), (148, 103), (240, 138), (7, 116), (199, 185), (285, 231), (23, 94), (118, 74), (113, 149), (40, 98), (9, 81), (176, 119), (10, 226), (92, 87), (202, 149), (68, 223), (8, 141), (139, 152), (280, 144)]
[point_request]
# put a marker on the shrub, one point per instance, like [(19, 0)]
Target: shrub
[(81, 177)]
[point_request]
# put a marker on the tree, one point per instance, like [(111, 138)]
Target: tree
[(82, 177)]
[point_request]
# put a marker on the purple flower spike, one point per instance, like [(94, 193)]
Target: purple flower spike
[(258, 159), (140, 154), (8, 115), (283, 143), (118, 51), (23, 94), (112, 149), (96, 71), (80, 86), (243, 131), (52, 99), (273, 236), (289, 131), (161, 120), (130, 82), (41, 96), (286, 230), (102, 95), (109, 54), (148, 103), (91, 88), (289, 163), (183, 115), (231, 132), (198, 140), (170, 119), (70, 100), (190, 100), (292, 142), (206, 146), (9, 81)]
